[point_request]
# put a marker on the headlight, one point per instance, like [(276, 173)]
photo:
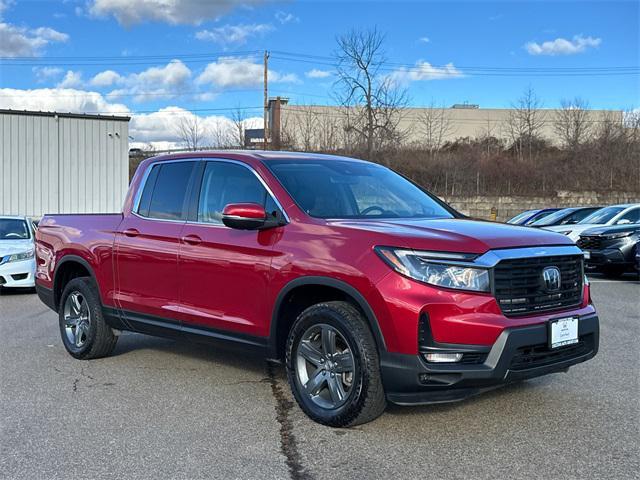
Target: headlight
[(612, 236), (16, 257), (432, 268)]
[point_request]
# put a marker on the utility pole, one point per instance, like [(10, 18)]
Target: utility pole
[(266, 99)]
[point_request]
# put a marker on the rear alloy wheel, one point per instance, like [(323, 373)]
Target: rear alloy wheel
[(333, 366), (84, 332)]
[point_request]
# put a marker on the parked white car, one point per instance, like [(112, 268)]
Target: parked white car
[(17, 252), (624, 214)]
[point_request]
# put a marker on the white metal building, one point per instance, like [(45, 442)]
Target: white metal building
[(62, 163)]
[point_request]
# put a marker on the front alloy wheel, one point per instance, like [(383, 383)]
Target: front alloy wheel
[(325, 366), (333, 365)]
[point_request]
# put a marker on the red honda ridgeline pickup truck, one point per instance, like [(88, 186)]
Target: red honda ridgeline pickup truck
[(370, 288)]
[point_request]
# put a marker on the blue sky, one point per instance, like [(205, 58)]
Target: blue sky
[(441, 45)]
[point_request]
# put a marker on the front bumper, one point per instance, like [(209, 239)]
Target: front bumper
[(608, 257), (18, 274), (518, 353)]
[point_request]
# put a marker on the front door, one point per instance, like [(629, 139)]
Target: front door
[(224, 273)]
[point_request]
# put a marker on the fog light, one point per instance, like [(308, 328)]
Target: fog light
[(443, 357)]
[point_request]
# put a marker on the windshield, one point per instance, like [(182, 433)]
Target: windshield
[(601, 216), (14, 229), (552, 218), (521, 217), (350, 189)]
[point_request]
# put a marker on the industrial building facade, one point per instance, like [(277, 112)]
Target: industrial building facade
[(320, 127), (62, 163)]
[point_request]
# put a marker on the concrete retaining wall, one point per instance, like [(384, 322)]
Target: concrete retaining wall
[(509, 206)]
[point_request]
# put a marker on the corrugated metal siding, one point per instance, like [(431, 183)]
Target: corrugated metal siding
[(62, 165)]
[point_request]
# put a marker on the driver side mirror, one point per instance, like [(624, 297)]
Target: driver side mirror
[(247, 216), (624, 221)]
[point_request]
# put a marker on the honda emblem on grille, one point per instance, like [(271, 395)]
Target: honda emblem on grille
[(551, 278)]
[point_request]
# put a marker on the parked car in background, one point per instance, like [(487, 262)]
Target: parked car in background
[(368, 287), (17, 252), (625, 214), (566, 216), (530, 216), (611, 250)]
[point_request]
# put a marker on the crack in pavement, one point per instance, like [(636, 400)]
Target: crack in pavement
[(288, 442)]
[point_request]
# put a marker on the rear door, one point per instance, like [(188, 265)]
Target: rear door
[(147, 243), (223, 272)]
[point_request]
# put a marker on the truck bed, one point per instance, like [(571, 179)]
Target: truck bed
[(87, 236)]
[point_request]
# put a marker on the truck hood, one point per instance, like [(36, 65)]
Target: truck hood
[(8, 247), (454, 235), (575, 230), (604, 229)]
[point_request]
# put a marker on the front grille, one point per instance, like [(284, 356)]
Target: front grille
[(520, 289), (541, 355), (589, 242)]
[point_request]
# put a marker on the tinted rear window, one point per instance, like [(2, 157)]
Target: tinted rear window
[(170, 185)]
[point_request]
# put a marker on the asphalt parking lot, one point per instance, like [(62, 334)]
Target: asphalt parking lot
[(166, 409)]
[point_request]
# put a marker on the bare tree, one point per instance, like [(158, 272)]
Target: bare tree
[(525, 122), (572, 123), (435, 127), (224, 134), (191, 132), (238, 118), (374, 100), (307, 128)]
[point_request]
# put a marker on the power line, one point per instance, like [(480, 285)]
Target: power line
[(332, 61), (112, 95)]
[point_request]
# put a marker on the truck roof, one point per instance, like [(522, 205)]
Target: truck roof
[(260, 155)]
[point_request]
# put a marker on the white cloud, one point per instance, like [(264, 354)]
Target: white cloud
[(4, 4), (46, 73), (425, 71), (106, 79), (50, 35), (424, 39), (174, 12), (233, 34), (562, 46), (316, 73), (23, 42), (58, 100), (285, 17), (150, 84), (240, 72), (157, 129), (71, 80)]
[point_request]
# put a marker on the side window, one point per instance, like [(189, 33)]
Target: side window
[(224, 183), (145, 198), (632, 216), (577, 216), (167, 199)]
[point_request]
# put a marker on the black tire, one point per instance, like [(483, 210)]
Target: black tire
[(99, 340), (366, 398)]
